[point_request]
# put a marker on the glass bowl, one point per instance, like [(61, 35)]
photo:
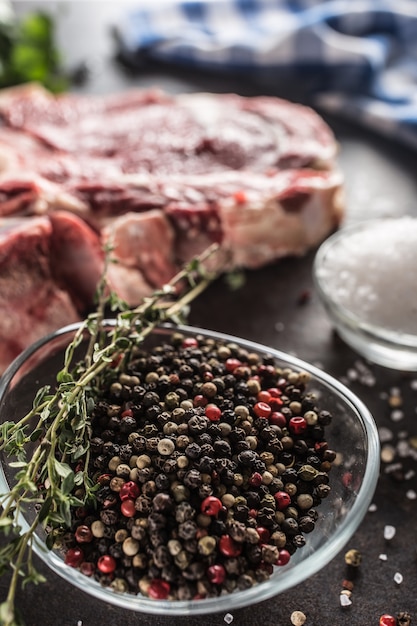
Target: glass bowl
[(364, 275), (352, 433)]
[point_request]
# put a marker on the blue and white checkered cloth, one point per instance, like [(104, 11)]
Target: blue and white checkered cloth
[(353, 57)]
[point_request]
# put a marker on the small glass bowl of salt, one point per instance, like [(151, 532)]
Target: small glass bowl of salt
[(366, 276)]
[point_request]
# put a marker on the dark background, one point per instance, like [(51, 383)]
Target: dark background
[(277, 306)]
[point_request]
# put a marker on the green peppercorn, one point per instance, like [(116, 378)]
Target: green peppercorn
[(121, 535), (172, 400), (119, 585), (307, 472), (207, 545)]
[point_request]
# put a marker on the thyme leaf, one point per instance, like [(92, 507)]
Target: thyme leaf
[(57, 429)]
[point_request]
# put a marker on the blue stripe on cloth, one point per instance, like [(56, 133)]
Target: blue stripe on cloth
[(360, 55)]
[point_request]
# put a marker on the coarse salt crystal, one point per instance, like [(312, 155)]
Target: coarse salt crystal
[(228, 618), (410, 474), (398, 578), (397, 415), (372, 508), (393, 468), (352, 374), (385, 434), (403, 449), (367, 273), (389, 532), (345, 600), (411, 494), (383, 557)]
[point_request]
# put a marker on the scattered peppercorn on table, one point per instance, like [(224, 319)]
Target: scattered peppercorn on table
[(373, 580)]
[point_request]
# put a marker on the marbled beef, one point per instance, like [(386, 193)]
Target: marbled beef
[(164, 175)]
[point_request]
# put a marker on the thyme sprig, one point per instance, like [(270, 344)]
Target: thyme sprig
[(54, 436)]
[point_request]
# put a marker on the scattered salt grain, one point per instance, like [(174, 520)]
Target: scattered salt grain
[(345, 600), (352, 374), (410, 474), (228, 618), (389, 532), (413, 384), (372, 508), (383, 557), (398, 578), (79, 623), (411, 494), (385, 434), (397, 415), (394, 467), (403, 449)]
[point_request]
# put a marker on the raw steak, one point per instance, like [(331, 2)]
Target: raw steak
[(143, 243), (167, 175), (77, 258), (149, 131), (31, 304)]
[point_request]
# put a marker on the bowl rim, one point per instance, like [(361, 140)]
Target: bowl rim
[(343, 313), (308, 566)]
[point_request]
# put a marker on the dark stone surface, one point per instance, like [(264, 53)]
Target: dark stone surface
[(380, 180)]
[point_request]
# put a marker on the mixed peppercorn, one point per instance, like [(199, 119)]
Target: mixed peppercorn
[(210, 463)]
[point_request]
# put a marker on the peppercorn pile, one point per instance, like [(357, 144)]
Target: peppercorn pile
[(209, 462)]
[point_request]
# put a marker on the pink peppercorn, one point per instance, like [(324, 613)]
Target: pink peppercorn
[(228, 546), (263, 533), (128, 508), (256, 479), (74, 557), (190, 342), (129, 490), (200, 400), (83, 534), (276, 403), (297, 425), (159, 589), (106, 564), (211, 506), (216, 574), (277, 419), (87, 568), (264, 396), (232, 364), (283, 500), (387, 620), (262, 409), (213, 412), (284, 557)]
